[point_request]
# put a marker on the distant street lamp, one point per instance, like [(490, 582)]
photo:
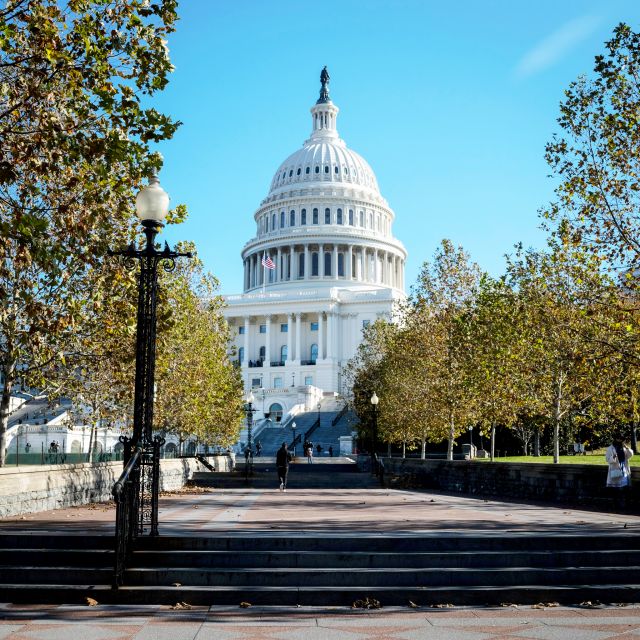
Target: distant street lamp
[(374, 432), (471, 436), (293, 427), (250, 399), (319, 406)]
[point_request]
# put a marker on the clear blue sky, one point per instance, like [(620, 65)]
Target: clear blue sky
[(450, 103)]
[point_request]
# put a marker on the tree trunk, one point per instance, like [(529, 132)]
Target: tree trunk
[(556, 423), (493, 440), (5, 404), (404, 449), (452, 434), (388, 449), (536, 442), (91, 443), (423, 453)]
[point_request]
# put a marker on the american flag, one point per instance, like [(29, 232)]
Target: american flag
[(268, 263)]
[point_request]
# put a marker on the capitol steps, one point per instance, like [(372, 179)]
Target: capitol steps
[(327, 473), (325, 570)]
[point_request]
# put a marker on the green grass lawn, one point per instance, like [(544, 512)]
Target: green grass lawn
[(590, 458)]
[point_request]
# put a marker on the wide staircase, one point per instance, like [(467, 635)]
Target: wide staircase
[(334, 422), (325, 570)]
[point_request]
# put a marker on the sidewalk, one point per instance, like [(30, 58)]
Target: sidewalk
[(220, 623)]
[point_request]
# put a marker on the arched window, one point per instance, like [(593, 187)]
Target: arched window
[(370, 220), (266, 224), (283, 353), (282, 219), (339, 216), (362, 218), (315, 216), (303, 217), (307, 170), (241, 355), (276, 411), (301, 265), (354, 272), (336, 169), (317, 169), (273, 222), (314, 353), (327, 216), (291, 173), (292, 218), (341, 264), (314, 263), (327, 263), (263, 352), (351, 217), (298, 172), (326, 168)]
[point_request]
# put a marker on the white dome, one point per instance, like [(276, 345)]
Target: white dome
[(325, 161)]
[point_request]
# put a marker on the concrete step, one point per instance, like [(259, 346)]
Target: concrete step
[(434, 543), (219, 560), (320, 596), (347, 577)]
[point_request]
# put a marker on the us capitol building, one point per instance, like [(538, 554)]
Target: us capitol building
[(323, 265)]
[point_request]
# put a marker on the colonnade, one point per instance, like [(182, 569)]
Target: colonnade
[(325, 261), (304, 345)]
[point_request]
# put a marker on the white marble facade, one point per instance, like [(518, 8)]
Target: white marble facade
[(328, 232)]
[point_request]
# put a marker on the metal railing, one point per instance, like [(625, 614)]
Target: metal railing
[(126, 495), (340, 415)]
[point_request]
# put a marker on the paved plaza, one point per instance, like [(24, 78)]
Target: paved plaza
[(339, 513), (334, 512)]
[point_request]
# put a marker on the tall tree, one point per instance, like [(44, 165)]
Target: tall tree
[(441, 296), (199, 390), (74, 147), (597, 155)]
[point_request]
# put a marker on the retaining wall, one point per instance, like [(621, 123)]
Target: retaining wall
[(580, 484), (30, 489)]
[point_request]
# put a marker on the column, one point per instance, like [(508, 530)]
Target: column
[(267, 352), (335, 261), (298, 333), (330, 334), (246, 342), (320, 336), (376, 267), (289, 337), (359, 264), (349, 266), (385, 276), (293, 267), (307, 262), (279, 270)]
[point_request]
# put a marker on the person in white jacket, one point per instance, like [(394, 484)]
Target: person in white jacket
[(617, 457)]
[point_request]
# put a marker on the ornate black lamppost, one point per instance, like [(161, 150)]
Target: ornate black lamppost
[(293, 427), (249, 400), (136, 491), (374, 432)]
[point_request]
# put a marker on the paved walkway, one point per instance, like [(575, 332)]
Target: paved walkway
[(334, 512), (220, 623)]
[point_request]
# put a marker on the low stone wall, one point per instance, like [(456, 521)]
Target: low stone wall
[(30, 489), (579, 484)]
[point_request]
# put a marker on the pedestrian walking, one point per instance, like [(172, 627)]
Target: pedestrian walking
[(331, 451), (283, 458), (258, 448), (319, 448), (309, 452), (617, 457)]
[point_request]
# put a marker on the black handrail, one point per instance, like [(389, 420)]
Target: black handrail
[(314, 426), (200, 458), (125, 494), (340, 415)]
